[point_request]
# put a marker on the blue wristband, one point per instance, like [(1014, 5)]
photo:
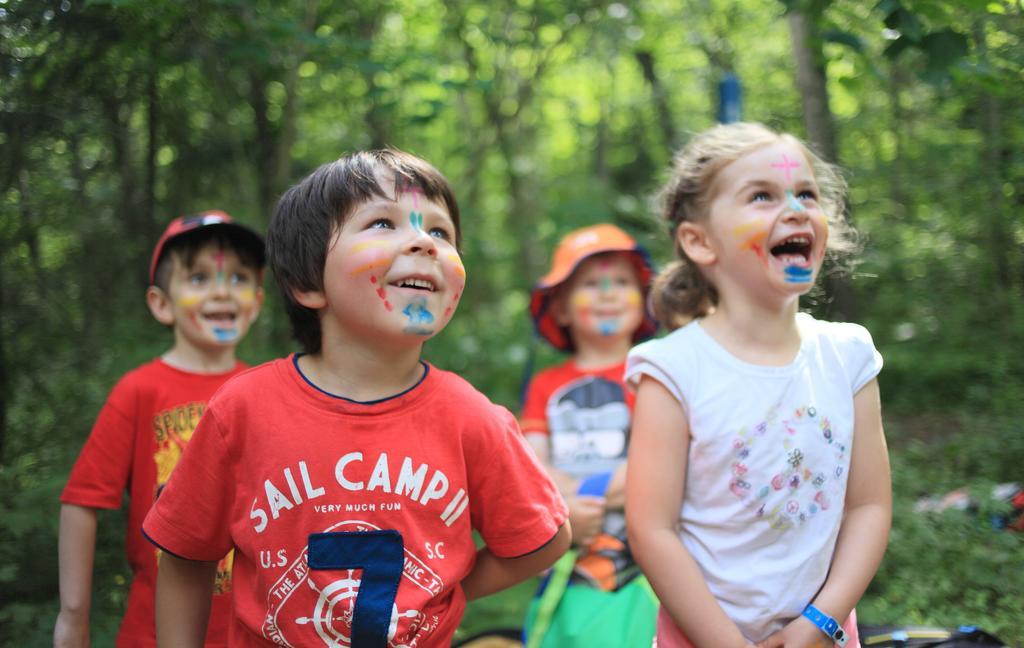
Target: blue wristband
[(826, 624)]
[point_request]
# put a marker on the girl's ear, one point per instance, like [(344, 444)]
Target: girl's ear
[(311, 299), (159, 304), (694, 240)]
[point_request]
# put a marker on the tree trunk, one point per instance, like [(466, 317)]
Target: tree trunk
[(811, 82), (665, 122)]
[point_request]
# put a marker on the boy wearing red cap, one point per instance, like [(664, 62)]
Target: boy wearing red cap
[(576, 415), (205, 284)]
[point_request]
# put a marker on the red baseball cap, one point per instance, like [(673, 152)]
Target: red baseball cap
[(214, 218), (572, 250)]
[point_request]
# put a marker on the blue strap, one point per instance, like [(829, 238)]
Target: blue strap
[(596, 485)]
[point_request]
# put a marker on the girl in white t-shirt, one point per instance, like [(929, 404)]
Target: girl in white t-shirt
[(759, 497)]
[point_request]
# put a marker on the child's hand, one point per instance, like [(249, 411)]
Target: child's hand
[(71, 630), (798, 633), (586, 513)]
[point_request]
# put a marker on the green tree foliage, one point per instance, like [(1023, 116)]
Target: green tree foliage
[(116, 115)]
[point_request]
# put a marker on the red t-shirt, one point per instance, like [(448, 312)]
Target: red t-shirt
[(275, 460), (586, 415), (134, 445)]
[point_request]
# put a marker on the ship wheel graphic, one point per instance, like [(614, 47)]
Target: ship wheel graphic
[(332, 616)]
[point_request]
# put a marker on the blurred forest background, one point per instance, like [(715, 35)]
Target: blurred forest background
[(117, 115)]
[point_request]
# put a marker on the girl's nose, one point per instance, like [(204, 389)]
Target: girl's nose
[(794, 209)]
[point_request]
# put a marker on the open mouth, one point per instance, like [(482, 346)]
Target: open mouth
[(795, 250), (220, 319), (416, 284)]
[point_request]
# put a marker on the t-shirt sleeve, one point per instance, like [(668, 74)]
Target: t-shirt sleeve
[(103, 468), (514, 504), (191, 517), (534, 419), (651, 359), (862, 359)]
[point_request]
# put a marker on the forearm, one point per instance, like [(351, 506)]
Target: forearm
[(76, 551), (184, 592), (615, 496), (868, 514), (679, 583), (492, 574), (859, 551)]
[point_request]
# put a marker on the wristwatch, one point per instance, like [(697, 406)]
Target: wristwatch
[(826, 624)]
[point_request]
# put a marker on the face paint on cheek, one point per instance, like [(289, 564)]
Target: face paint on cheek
[(246, 297), (188, 301), (363, 261), (581, 306), (752, 236), (379, 289), (457, 275)]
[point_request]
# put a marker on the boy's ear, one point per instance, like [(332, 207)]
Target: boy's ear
[(311, 299), (696, 243), (159, 304)]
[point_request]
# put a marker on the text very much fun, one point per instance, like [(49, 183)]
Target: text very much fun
[(354, 474)]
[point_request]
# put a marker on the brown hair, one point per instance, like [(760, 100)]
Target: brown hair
[(681, 292)]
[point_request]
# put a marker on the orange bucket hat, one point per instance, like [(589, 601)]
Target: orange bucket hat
[(572, 250)]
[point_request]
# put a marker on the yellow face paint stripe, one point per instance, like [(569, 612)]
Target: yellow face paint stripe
[(741, 230), (459, 268), (359, 247)]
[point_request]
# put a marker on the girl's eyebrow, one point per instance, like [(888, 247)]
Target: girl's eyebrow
[(755, 184)]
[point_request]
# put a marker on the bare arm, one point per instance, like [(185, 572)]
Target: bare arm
[(586, 512), (658, 453), (491, 574), (184, 593), (615, 496), (76, 552), (866, 521)]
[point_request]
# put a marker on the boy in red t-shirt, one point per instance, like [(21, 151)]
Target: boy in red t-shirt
[(349, 478), (205, 284), (591, 304)]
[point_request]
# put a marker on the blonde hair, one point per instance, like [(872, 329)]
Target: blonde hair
[(681, 292)]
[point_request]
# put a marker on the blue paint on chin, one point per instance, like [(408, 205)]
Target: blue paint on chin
[(417, 312), (796, 274), (225, 334), (608, 327)]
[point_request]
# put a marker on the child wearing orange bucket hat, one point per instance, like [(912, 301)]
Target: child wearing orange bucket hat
[(576, 416)]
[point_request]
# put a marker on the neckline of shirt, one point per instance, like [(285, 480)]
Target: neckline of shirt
[(337, 402), (712, 346)]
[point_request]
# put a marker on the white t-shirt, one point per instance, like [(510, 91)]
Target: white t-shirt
[(768, 461)]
